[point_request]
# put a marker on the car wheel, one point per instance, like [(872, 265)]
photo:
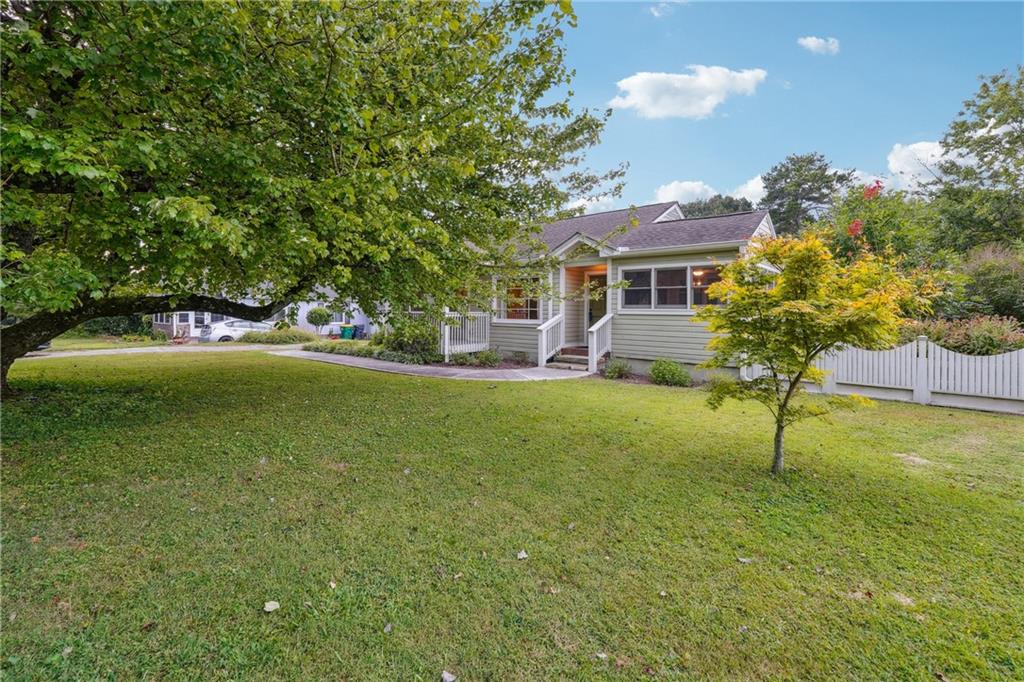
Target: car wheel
[(226, 338)]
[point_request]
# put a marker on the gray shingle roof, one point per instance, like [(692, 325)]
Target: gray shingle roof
[(598, 225), (648, 234)]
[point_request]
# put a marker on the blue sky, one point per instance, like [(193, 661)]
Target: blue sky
[(867, 77)]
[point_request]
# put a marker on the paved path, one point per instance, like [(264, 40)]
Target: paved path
[(524, 374), (186, 348)]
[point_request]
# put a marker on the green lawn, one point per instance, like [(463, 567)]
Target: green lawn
[(151, 505), (97, 343)]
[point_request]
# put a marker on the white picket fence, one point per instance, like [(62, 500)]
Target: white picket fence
[(926, 373), (467, 333)]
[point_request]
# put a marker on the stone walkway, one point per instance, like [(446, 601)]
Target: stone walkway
[(524, 374), (184, 348)]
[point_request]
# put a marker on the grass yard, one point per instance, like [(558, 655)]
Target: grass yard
[(152, 504), (97, 343)]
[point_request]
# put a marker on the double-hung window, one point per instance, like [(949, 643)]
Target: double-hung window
[(668, 288), (517, 303)]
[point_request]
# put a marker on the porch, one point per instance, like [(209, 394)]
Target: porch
[(568, 330)]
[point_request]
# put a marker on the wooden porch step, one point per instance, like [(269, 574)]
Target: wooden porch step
[(574, 350), (572, 359), (568, 365)]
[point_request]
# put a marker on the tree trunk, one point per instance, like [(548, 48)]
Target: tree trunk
[(779, 435), (27, 334)]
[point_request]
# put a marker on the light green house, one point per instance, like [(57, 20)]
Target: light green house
[(668, 261)]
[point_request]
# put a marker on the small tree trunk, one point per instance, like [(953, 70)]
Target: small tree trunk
[(777, 464)]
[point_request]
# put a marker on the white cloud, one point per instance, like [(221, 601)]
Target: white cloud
[(684, 191), (685, 95), (752, 189), (593, 204), (663, 9), (819, 45), (912, 164)]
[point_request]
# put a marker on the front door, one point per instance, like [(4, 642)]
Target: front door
[(596, 307)]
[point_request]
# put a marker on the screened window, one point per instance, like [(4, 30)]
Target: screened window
[(183, 317), (701, 278), (671, 287), (638, 293), (200, 319), (681, 288), (217, 317)]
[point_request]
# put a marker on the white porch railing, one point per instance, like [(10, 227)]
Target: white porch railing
[(467, 333), (549, 338), (924, 372), (599, 341)]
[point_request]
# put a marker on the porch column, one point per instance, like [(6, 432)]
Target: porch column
[(561, 299), (609, 280), (551, 299)]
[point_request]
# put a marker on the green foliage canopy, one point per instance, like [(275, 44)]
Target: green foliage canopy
[(785, 304), (718, 204), (980, 187), (798, 188), (881, 219), (174, 156)]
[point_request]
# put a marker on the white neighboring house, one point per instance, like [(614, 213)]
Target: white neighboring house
[(189, 323)]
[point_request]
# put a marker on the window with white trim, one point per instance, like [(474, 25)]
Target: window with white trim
[(668, 288), (516, 304), (183, 318)]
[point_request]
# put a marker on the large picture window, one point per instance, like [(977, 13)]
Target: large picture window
[(668, 288), (517, 305)]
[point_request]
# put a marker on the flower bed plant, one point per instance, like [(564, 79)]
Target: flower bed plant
[(365, 350), (279, 336), (981, 335)]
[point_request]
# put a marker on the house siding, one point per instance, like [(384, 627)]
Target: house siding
[(573, 308), (508, 338), (648, 336)]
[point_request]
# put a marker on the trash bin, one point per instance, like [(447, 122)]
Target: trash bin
[(360, 332), (348, 332)]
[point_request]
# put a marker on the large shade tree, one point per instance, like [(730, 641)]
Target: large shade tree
[(234, 157), (980, 181), (799, 188)]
